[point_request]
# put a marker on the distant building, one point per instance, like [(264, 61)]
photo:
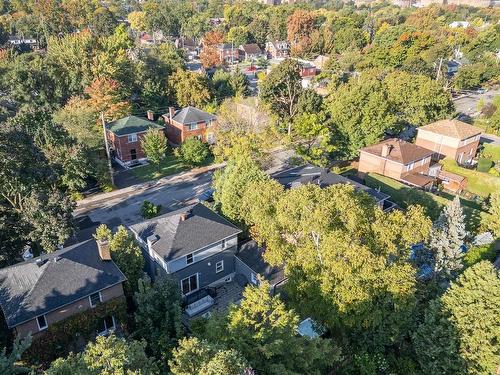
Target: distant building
[(227, 53), (462, 24), (187, 44), (40, 292), (250, 52), (189, 122), (124, 138), (278, 49), (472, 3)]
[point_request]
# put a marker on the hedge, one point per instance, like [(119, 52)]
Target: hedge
[(484, 165)]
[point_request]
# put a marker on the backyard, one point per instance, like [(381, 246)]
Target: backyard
[(404, 196)]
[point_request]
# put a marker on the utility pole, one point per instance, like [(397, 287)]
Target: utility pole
[(108, 154)]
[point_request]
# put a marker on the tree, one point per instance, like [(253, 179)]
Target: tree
[(447, 239), (106, 96), (239, 83), (281, 90), (137, 20), (8, 361), (238, 35), (193, 151), (222, 85), (360, 114), (459, 333), (198, 357), (154, 144), (190, 89), (107, 356), (264, 331), (209, 57), (158, 315), (491, 219)]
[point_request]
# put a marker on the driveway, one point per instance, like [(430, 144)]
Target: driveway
[(468, 104)]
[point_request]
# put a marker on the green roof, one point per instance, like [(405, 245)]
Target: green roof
[(131, 124)]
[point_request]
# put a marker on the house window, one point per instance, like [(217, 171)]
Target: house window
[(132, 138), (253, 279), (189, 284), (193, 126), (209, 124), (189, 259), (42, 322), (410, 166), (108, 325), (219, 266), (95, 298)]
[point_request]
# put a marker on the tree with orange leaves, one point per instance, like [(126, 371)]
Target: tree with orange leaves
[(209, 56), (106, 95), (300, 27)]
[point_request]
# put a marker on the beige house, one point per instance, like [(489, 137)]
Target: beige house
[(450, 139), (399, 160), (40, 292)]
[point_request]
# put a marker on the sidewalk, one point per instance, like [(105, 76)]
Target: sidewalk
[(95, 200)]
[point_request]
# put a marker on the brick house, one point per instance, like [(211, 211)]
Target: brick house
[(399, 160), (227, 53), (278, 49), (250, 52), (124, 138), (307, 70), (452, 139), (189, 122), (48, 289)]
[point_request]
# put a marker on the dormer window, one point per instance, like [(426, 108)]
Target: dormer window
[(189, 259)]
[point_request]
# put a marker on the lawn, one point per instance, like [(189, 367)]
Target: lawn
[(404, 196), (170, 165), (491, 152), (478, 183)]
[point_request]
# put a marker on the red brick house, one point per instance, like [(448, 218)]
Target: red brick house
[(307, 70), (452, 139), (124, 138), (189, 122), (228, 54)]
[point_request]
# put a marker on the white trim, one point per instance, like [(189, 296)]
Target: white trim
[(38, 323), (219, 264), (107, 330), (133, 136), (197, 284), (192, 259), (90, 299), (195, 124)]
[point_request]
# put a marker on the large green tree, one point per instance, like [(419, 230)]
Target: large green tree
[(460, 331), (154, 144)]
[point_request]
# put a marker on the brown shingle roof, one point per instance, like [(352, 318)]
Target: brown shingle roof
[(452, 128), (417, 179), (251, 49), (399, 151)]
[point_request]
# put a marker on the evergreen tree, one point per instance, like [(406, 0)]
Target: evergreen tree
[(447, 237), (7, 361)]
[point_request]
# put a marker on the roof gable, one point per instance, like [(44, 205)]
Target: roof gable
[(28, 290), (131, 124)]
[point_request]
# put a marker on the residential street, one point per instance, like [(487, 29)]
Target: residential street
[(468, 104)]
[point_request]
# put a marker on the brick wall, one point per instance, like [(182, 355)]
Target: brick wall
[(389, 168), (178, 133), (67, 311), (122, 147)]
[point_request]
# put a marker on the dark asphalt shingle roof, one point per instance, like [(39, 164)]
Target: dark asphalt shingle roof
[(177, 237), (28, 290), (310, 174), (253, 256), (130, 125), (190, 115), (251, 49)]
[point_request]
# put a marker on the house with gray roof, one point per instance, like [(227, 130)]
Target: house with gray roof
[(189, 122), (42, 291), (124, 138)]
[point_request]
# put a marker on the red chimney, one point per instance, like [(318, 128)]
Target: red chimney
[(150, 114), (171, 113)]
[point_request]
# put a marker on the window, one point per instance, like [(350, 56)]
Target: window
[(189, 284), (193, 126), (410, 166), (209, 123), (470, 151), (224, 244), (95, 298), (108, 324), (253, 279), (42, 322), (189, 258), (219, 266), (132, 138)]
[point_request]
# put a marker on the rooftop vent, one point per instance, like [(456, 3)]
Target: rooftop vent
[(40, 262)]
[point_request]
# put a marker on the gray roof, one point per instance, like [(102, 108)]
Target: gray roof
[(191, 115), (310, 174), (28, 290), (176, 237), (252, 255), (131, 124)]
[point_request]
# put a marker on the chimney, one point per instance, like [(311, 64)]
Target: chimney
[(185, 215), (104, 252), (171, 113), (151, 240), (150, 114), (386, 150)]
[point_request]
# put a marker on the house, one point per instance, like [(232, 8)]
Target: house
[(310, 174), (452, 139), (249, 261), (452, 182), (199, 249), (227, 53), (400, 160), (250, 52), (461, 24), (124, 138), (189, 122), (320, 62), (50, 288), (307, 70), (278, 49)]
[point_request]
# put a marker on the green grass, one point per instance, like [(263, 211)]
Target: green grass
[(170, 165), (479, 183), (405, 196), (491, 152)]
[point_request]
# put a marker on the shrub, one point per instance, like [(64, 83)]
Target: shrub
[(193, 151), (150, 210), (478, 253), (484, 165)]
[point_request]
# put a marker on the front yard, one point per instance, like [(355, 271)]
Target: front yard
[(169, 166), (479, 183), (404, 196)]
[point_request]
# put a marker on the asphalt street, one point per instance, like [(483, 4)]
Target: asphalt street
[(468, 104)]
